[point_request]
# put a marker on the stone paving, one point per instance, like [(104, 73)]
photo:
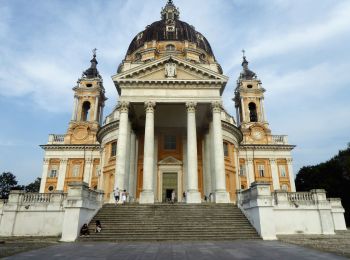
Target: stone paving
[(15, 245), (339, 243), (240, 249)]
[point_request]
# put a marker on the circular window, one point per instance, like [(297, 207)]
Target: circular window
[(250, 86), (89, 85), (51, 188)]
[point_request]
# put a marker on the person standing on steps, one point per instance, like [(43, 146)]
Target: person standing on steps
[(116, 195), (124, 195), (173, 195)]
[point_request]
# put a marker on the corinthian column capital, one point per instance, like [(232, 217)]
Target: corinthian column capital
[(216, 106), (124, 106), (191, 107), (149, 106)]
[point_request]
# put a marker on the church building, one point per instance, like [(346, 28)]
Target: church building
[(169, 131)]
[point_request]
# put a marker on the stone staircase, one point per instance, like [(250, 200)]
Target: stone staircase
[(162, 222)]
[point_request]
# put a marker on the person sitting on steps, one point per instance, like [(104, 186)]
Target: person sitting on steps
[(98, 228), (84, 231)]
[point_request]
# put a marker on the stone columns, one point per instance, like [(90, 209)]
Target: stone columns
[(207, 166), (250, 171), (291, 174), (221, 195), (243, 111), (132, 173), (193, 196), (100, 183), (275, 175), (44, 175), (127, 160), (121, 146), (147, 194), (87, 170), (263, 110), (96, 109), (75, 109), (62, 174)]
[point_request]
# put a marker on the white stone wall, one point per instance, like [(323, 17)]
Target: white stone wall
[(280, 212), (32, 215), (54, 214)]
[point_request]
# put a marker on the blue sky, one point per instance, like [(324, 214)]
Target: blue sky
[(299, 49)]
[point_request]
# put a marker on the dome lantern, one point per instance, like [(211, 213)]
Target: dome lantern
[(170, 13)]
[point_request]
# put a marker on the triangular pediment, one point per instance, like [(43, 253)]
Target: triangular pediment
[(170, 161), (168, 69)]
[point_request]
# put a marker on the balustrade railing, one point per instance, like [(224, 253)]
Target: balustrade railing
[(279, 139), (301, 197), (56, 139), (33, 198)]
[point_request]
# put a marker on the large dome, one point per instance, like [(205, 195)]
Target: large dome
[(170, 35), (157, 31)]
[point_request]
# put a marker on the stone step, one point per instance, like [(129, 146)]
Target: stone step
[(161, 222)]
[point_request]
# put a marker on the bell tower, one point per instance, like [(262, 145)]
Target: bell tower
[(249, 103), (89, 101)]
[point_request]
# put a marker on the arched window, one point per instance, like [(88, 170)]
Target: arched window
[(85, 111), (252, 112), (170, 47), (226, 149)]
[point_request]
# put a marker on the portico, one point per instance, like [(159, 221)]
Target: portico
[(171, 134)]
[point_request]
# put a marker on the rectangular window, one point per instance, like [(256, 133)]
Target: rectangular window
[(242, 170), (261, 170), (282, 169), (225, 149), (53, 173), (114, 149), (76, 169), (97, 171), (170, 142)]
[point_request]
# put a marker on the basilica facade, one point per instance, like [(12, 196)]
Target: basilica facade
[(169, 131)]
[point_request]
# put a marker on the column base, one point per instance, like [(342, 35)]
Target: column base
[(193, 197), (147, 197), (221, 197)]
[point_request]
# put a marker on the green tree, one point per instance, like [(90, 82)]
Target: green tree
[(34, 186), (333, 176), (7, 182)]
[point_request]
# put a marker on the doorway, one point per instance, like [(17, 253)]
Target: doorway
[(169, 185)]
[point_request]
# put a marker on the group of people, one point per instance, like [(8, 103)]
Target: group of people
[(117, 194), (84, 231)]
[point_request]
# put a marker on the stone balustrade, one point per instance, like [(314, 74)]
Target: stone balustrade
[(279, 139), (42, 197), (290, 212), (56, 139)]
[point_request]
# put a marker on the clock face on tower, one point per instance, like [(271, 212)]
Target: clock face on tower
[(257, 134)]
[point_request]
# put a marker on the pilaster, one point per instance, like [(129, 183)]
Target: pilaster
[(46, 162), (62, 174)]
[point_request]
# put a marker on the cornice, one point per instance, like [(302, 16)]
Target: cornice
[(231, 128), (78, 147), (106, 129), (267, 147)]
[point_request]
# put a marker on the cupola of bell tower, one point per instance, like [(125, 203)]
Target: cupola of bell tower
[(249, 103), (89, 100)]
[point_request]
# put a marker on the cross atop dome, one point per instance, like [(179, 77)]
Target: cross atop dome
[(170, 12)]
